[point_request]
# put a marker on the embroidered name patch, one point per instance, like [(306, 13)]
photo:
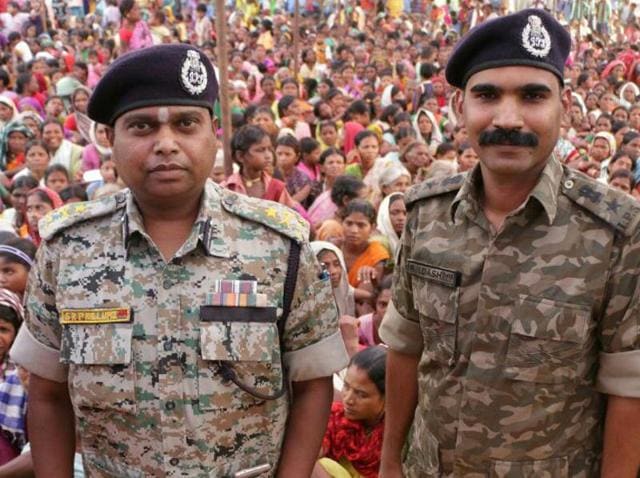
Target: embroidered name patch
[(95, 316), (446, 277)]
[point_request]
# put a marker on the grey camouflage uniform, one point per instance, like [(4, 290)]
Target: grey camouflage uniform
[(147, 395), (521, 333)]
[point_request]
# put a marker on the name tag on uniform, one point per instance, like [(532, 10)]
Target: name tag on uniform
[(95, 316), (446, 277)]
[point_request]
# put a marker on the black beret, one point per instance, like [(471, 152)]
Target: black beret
[(162, 75), (530, 37)]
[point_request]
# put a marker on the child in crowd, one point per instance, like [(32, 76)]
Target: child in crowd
[(16, 260), (56, 177), (370, 323), (287, 158)]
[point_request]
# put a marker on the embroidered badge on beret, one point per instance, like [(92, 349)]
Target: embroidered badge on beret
[(535, 37), (193, 74)]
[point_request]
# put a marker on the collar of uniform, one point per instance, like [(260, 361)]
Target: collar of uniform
[(466, 201), (545, 192), (207, 223)]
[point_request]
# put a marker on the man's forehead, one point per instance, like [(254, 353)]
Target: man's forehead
[(168, 111), (512, 77)]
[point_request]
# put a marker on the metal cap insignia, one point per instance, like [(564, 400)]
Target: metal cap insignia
[(193, 74), (535, 37)]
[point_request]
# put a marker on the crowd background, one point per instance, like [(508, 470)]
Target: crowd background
[(367, 114)]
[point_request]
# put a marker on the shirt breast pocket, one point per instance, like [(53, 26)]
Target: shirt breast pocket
[(101, 372), (549, 341), (242, 343), (437, 306)]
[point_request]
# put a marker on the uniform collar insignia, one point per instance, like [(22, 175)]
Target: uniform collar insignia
[(535, 37), (193, 74)]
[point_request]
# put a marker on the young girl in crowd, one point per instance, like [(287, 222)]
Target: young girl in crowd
[(56, 177), (309, 164), (365, 259), (40, 201), (13, 397), (287, 157), (467, 157), (328, 134), (332, 165), (369, 324), (73, 193), (12, 147), (16, 215), (251, 149), (16, 260), (352, 444)]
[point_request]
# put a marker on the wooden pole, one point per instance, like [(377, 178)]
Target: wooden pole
[(223, 85), (296, 39)]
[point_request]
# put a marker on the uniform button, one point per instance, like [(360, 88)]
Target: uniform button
[(174, 461), (168, 346), (167, 284), (170, 405), (568, 184)]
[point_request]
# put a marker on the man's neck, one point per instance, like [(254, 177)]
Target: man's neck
[(502, 195), (169, 224)]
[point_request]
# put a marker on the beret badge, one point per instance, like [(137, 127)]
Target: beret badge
[(193, 74), (535, 37)]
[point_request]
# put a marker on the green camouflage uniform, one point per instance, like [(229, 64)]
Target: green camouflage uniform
[(521, 333), (148, 396)]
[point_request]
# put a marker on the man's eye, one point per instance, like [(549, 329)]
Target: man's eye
[(139, 126), (188, 122)]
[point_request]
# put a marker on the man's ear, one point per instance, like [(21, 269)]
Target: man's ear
[(458, 103)]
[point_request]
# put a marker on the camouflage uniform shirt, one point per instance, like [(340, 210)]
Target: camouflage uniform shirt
[(145, 378), (520, 333)]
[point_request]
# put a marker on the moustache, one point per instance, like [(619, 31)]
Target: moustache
[(507, 137)]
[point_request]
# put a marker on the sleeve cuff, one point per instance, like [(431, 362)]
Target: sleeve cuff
[(37, 358), (317, 360), (619, 374), (400, 334)]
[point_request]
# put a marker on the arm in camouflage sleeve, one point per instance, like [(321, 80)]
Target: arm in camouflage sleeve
[(619, 371), (313, 346)]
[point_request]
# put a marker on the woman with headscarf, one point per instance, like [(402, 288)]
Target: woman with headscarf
[(8, 110), (427, 129), (33, 121), (12, 145), (332, 260), (602, 148), (40, 202), (29, 103), (392, 217), (98, 149), (629, 93)]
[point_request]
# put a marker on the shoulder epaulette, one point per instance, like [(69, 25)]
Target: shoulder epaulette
[(275, 216), (610, 205), (74, 213), (434, 187)]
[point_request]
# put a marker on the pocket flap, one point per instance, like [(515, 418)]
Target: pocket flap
[(99, 344), (238, 341), (550, 320)]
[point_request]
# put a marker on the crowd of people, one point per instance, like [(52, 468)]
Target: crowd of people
[(367, 115)]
